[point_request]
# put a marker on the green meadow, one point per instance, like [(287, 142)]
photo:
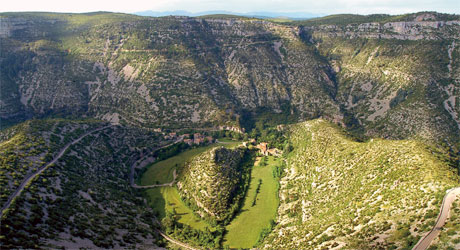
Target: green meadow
[(162, 171), (163, 199), (259, 207), (245, 229)]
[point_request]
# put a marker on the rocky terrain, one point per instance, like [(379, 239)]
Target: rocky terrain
[(394, 77), (364, 111), (27, 147), (211, 182), (336, 192), (390, 84), (84, 199)]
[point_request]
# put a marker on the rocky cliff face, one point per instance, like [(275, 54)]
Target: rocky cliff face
[(398, 79), (169, 71), (411, 30), (394, 79)]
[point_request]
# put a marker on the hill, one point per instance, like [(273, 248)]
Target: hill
[(336, 192), (346, 19), (84, 198), (214, 182), (84, 96)]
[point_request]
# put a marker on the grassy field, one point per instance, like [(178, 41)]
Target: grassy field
[(227, 140), (162, 172), (244, 230), (162, 199)]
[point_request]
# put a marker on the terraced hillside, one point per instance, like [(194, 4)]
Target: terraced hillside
[(336, 192), (213, 183)]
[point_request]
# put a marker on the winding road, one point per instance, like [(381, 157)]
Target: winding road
[(169, 184), (175, 241), (30, 177), (449, 198), (149, 160)]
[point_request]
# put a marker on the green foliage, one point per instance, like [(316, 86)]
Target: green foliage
[(88, 195), (259, 183), (190, 235), (214, 183), (184, 72), (170, 151), (333, 187), (448, 237), (345, 19), (29, 146), (161, 171), (173, 72)]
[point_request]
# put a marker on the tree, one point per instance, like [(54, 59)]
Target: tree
[(168, 224)]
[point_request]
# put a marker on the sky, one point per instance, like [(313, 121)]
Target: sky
[(241, 6)]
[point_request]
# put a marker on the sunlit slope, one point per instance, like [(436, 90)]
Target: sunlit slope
[(338, 192)]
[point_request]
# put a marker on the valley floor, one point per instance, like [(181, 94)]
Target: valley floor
[(259, 207), (163, 199)]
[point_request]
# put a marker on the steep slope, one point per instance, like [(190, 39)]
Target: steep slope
[(381, 76), (213, 182), (338, 192), (396, 79), (388, 76), (448, 237), (26, 147), (84, 199), (158, 71)]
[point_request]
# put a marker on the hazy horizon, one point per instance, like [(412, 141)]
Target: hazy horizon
[(326, 7)]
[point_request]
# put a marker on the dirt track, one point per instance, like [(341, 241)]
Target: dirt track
[(147, 160)]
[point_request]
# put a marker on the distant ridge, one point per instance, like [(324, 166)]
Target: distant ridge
[(261, 14)]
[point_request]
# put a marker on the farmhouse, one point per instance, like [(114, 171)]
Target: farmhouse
[(263, 148)]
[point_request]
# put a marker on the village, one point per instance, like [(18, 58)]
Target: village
[(202, 139)]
